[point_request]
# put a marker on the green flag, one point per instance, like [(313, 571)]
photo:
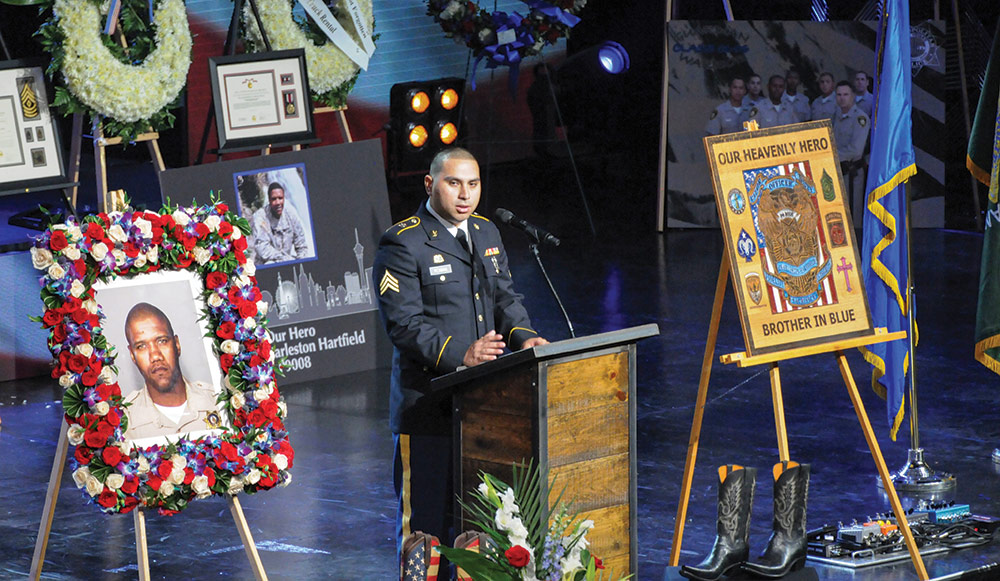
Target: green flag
[(980, 156)]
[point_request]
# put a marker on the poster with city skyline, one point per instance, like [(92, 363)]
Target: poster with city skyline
[(321, 311)]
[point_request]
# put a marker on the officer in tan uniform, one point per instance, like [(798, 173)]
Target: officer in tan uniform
[(168, 403), (794, 98), (850, 130), (772, 112), (824, 106), (728, 117)]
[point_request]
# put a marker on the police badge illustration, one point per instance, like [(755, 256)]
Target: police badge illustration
[(795, 258), (752, 282)]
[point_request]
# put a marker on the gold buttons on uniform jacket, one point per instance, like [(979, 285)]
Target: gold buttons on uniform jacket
[(480, 318), (442, 277), (477, 296)]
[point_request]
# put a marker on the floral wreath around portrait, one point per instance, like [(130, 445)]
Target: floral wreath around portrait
[(332, 74), (131, 89), (253, 453), (505, 39)]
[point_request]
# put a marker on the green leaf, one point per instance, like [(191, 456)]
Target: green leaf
[(73, 404), (477, 566)]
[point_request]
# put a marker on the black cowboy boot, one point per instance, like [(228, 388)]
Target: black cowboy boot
[(786, 550), (731, 548)]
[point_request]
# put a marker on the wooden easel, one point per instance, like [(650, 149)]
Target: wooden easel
[(745, 360)]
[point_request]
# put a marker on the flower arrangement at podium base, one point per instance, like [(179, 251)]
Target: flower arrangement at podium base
[(523, 546)]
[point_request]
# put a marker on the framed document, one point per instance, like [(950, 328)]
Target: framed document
[(793, 257), (30, 154), (261, 100)]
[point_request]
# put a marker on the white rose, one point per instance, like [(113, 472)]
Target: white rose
[(215, 300), (140, 261), (85, 349), (243, 280), (76, 288), (99, 251), (230, 346), (201, 254), (145, 227), (176, 476), (102, 408), (66, 380), (41, 258), (74, 233), (200, 486), (213, 222), (253, 477), (179, 462), (286, 481), (94, 486), (237, 401), (108, 375), (181, 217), (250, 268), (262, 308), (153, 255), (114, 481), (166, 488), (120, 256), (282, 409), (116, 233), (56, 271), (249, 323), (235, 486), (91, 306), (75, 437), (80, 476), (236, 235), (260, 394), (281, 461), (143, 464), (71, 252)]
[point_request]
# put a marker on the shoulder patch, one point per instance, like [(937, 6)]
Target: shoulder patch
[(715, 113), (483, 218), (405, 225), (862, 121)]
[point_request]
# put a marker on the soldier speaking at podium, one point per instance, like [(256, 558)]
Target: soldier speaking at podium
[(447, 300)]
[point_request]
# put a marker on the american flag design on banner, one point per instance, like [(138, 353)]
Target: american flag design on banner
[(780, 274), (420, 560)]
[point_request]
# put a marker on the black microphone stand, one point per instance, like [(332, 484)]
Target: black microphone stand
[(534, 250)]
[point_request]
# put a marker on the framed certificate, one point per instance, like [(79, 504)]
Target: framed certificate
[(261, 100), (30, 154)]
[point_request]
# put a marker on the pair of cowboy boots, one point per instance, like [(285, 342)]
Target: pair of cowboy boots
[(420, 560), (786, 549)]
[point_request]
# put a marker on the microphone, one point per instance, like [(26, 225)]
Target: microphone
[(537, 234)]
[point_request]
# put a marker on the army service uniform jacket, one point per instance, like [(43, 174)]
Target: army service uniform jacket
[(435, 300), (145, 421)]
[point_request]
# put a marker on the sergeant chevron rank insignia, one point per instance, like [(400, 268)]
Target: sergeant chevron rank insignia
[(388, 282)]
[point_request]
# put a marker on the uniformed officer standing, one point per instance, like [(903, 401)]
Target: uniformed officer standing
[(444, 304), (824, 106), (850, 130), (797, 101), (862, 97), (728, 117), (754, 94), (771, 112)]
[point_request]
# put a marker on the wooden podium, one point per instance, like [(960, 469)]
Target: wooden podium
[(571, 407)]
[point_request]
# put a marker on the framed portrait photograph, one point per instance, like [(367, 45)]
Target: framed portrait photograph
[(275, 200), (261, 100), (30, 154), (166, 368)]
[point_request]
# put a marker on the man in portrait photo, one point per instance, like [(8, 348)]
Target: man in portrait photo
[(168, 403), (278, 235)]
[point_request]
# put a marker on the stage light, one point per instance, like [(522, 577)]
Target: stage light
[(447, 132), (425, 117), (417, 136), (419, 101), (448, 99), (614, 58)]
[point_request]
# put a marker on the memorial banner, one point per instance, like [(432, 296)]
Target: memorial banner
[(794, 261)]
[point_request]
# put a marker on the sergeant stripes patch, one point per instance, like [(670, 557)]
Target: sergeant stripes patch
[(388, 282)]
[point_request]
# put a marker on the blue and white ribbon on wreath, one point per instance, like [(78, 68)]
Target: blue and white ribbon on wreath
[(554, 13), (506, 54)]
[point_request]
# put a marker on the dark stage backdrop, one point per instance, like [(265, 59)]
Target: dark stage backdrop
[(323, 311), (706, 55)]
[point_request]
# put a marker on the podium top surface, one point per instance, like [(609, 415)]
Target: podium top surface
[(543, 352)]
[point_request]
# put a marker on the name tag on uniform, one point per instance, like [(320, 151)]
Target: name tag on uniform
[(443, 269)]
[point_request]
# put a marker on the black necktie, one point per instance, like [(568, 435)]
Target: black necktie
[(464, 241)]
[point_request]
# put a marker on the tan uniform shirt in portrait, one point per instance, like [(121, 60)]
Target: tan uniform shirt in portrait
[(200, 413)]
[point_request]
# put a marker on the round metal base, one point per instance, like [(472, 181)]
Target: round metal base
[(918, 476), (996, 455)]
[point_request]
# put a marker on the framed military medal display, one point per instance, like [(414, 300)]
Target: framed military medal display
[(794, 262), (30, 154), (261, 100)]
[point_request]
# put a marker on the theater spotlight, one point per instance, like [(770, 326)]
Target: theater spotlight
[(425, 117), (613, 57)]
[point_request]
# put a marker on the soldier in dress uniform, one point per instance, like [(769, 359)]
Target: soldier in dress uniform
[(862, 97), (446, 300), (168, 403), (792, 97), (772, 112), (728, 117), (850, 130), (824, 106), (754, 94)]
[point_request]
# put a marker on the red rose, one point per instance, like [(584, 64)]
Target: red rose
[(130, 503), (154, 482), (80, 316), (113, 419), (188, 475), (51, 318), (108, 498), (225, 229), (84, 335), (257, 418), (234, 295), (131, 250), (221, 208), (59, 333), (269, 408), (265, 350), (229, 451), (189, 242), (167, 222), (240, 257), (184, 260), (240, 244), (210, 474), (215, 279), (111, 455), (226, 362), (248, 309), (598, 564), (58, 241), (77, 363), (130, 485), (255, 360), (95, 438), (201, 230), (226, 330), (157, 233), (164, 469), (83, 454), (104, 392), (94, 232), (89, 377), (517, 556)]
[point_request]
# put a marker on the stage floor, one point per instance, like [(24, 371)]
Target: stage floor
[(335, 520)]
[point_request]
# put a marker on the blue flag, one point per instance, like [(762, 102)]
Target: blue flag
[(884, 259)]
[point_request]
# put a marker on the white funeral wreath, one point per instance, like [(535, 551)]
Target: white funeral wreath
[(126, 93)]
